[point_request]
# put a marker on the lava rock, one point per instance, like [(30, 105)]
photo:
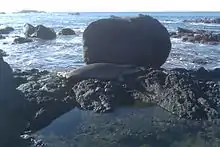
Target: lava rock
[(100, 96), (141, 41), (47, 96), (184, 93)]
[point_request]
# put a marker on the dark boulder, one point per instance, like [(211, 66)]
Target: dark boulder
[(6, 30), (21, 40), (142, 41), (44, 33), (39, 31), (67, 31), (28, 30)]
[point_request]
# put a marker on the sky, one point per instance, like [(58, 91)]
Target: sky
[(110, 5)]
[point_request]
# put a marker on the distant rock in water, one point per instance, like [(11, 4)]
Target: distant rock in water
[(205, 20), (30, 11), (39, 31), (141, 41), (197, 36), (6, 30), (76, 13), (2, 13), (67, 31), (21, 40)]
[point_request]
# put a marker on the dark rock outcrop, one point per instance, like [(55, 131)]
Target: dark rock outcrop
[(44, 33), (100, 96), (39, 31), (21, 40), (67, 31), (12, 108), (197, 36), (187, 94), (6, 30), (2, 13), (205, 20), (142, 41)]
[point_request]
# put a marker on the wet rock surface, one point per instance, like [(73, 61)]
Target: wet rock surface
[(197, 36), (47, 96)]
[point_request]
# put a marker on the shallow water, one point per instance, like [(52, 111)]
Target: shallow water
[(81, 128), (128, 127), (66, 51)]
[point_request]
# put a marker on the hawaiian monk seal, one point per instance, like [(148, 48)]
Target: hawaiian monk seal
[(102, 71)]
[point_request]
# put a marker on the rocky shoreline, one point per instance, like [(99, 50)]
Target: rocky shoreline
[(31, 100), (45, 96), (196, 36)]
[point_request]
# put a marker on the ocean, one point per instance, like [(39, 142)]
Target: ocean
[(66, 51)]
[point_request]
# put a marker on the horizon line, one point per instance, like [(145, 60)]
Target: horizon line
[(137, 11)]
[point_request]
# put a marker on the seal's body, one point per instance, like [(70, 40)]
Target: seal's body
[(102, 71)]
